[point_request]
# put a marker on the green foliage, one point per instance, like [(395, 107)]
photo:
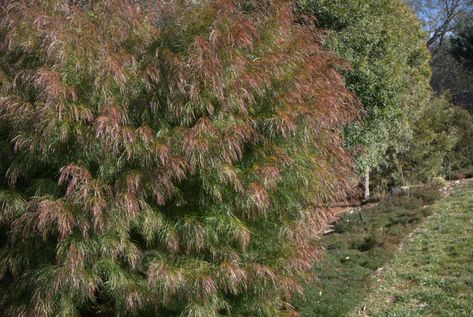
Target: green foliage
[(357, 248), (461, 156), (449, 75), (164, 158), (461, 174), (442, 144), (428, 194), (434, 138), (390, 71), (462, 45), (439, 181)]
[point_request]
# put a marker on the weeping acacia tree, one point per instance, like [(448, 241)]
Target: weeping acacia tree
[(164, 158)]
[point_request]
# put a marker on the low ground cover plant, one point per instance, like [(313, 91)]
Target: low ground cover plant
[(360, 244)]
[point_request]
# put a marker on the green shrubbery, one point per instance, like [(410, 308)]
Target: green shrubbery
[(461, 174), (441, 146), (390, 74), (462, 44)]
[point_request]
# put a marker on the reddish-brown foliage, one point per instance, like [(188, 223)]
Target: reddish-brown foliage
[(169, 155)]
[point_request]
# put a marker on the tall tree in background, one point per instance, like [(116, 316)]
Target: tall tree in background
[(154, 153), (444, 20), (461, 51), (441, 17), (462, 45), (390, 71), (449, 75)]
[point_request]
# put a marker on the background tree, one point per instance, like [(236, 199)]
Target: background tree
[(449, 74), (441, 17), (155, 151), (390, 71), (427, 155), (462, 45), (442, 146), (461, 156), (444, 21)]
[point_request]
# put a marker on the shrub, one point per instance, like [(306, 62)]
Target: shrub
[(366, 244), (456, 175), (428, 211), (429, 153), (461, 156), (377, 197), (337, 245), (166, 156), (439, 182), (427, 194), (407, 201), (468, 172), (461, 173), (346, 222), (442, 146)]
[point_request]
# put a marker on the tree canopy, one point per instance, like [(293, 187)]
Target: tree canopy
[(390, 71), (462, 45), (447, 23), (441, 17), (167, 158)]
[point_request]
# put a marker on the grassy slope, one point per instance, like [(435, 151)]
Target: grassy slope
[(357, 249), (433, 274)]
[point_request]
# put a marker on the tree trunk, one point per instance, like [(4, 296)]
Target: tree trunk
[(367, 185)]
